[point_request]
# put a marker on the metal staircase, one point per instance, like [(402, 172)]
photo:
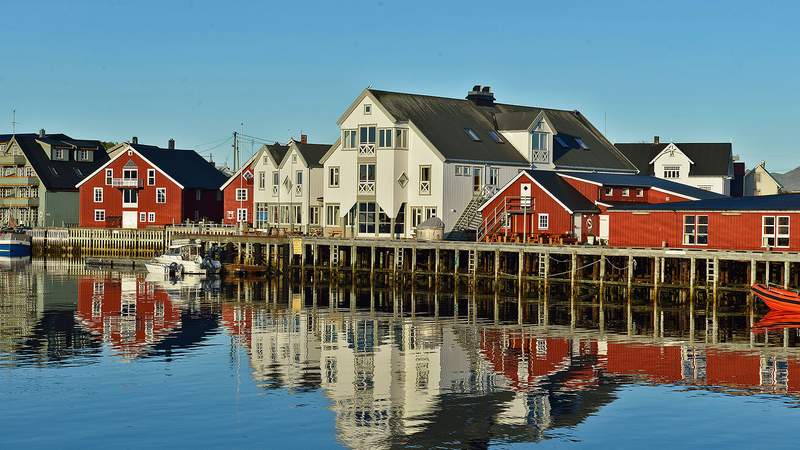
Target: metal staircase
[(470, 219), (500, 216)]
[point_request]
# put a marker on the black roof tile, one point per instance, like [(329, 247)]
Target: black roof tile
[(187, 167), (778, 202), (710, 159), (644, 181), (563, 191)]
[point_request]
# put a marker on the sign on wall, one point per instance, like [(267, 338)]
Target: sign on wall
[(525, 195)]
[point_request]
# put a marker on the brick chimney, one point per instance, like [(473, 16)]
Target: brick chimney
[(171, 144), (481, 95), (304, 139), (134, 140), (656, 140), (41, 133)]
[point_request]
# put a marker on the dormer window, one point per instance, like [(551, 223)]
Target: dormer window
[(472, 134), (539, 141), (672, 171), (58, 153)]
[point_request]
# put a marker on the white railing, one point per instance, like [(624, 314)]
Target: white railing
[(424, 187), (127, 182), (366, 150), (500, 216), (540, 156), (366, 187)]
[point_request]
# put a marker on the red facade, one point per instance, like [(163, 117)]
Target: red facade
[(159, 200), (726, 230), (242, 180)]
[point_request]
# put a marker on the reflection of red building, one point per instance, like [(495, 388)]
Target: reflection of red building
[(657, 363), (238, 319), (129, 314)]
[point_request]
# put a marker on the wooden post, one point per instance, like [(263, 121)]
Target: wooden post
[(456, 263), (786, 270), (436, 264), (573, 269), (602, 270), (413, 260), (692, 269), (353, 258), (546, 270), (496, 264), (520, 270), (655, 271), (766, 273), (753, 270), (372, 262)]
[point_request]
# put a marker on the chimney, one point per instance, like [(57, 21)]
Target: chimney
[(656, 140), (41, 133), (481, 95), (134, 140), (171, 144), (304, 139)]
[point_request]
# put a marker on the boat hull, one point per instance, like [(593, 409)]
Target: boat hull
[(777, 299), (14, 248)]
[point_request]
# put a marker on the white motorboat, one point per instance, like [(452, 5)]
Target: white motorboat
[(183, 258)]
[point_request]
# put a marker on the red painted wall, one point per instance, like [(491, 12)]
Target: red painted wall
[(725, 232), (724, 368), (229, 194), (658, 363), (209, 207)]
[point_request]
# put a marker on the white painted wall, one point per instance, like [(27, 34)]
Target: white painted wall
[(671, 156)]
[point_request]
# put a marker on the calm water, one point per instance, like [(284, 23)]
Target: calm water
[(93, 358)]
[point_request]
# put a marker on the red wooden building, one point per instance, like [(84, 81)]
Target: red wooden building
[(770, 222), (144, 186), (562, 207), (237, 193)]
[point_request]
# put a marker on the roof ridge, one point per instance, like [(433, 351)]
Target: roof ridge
[(465, 100)]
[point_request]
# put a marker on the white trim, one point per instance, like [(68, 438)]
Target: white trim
[(598, 202), (670, 147), (245, 166), (524, 172), (563, 175), (688, 197), (125, 153)]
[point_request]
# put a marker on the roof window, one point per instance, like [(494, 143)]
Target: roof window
[(472, 134), (581, 144), (495, 136), (560, 140)]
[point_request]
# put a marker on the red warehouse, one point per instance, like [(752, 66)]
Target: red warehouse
[(770, 222), (563, 207), (143, 186), (237, 193)]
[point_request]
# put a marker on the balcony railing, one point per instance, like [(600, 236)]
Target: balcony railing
[(424, 187), (12, 160), (127, 182), (19, 181), (366, 187), (30, 202), (366, 150)]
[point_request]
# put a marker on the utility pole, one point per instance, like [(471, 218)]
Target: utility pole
[(13, 121), (235, 151)]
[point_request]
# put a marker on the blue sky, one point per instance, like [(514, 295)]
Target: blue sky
[(196, 70)]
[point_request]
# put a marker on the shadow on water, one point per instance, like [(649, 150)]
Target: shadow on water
[(406, 366)]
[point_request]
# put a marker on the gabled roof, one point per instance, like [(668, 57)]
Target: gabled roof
[(710, 159), (563, 191), (312, 153), (186, 167), (246, 165), (778, 202), (788, 181), (643, 181), (276, 151), (58, 175), (443, 122)]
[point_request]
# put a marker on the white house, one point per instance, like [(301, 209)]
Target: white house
[(288, 187), (403, 158), (706, 166)]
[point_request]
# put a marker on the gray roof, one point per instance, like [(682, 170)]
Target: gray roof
[(277, 151), (644, 181), (778, 202), (563, 191), (790, 181), (710, 159), (58, 175), (443, 121), (186, 167), (312, 153)]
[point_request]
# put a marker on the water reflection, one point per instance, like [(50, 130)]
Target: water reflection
[(407, 367)]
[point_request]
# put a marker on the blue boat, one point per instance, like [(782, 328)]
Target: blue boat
[(14, 245)]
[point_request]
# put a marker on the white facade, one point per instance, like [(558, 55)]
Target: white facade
[(672, 164), (758, 181), (286, 193)]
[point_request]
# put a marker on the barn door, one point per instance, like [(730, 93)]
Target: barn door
[(129, 219), (604, 227)]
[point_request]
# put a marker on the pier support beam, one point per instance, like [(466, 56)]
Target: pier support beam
[(629, 274), (786, 271)]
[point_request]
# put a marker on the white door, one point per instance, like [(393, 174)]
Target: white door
[(577, 221), (604, 227), (129, 219)]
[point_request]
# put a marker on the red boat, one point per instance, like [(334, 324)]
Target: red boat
[(777, 320), (777, 299)]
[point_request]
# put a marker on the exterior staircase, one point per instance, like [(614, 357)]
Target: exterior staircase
[(469, 221)]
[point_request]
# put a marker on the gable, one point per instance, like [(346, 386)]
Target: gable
[(671, 154)]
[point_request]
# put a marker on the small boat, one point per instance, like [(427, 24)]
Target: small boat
[(15, 245), (776, 298), (183, 258), (777, 320)]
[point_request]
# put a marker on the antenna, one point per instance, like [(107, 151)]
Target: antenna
[(13, 121), (605, 124)]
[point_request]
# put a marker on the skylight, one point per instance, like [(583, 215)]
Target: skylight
[(560, 141), (472, 134), (581, 144), (495, 137)]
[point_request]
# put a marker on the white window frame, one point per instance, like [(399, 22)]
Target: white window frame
[(161, 192), (142, 217), (694, 236), (776, 236), (385, 137), (401, 138), (333, 176), (241, 194), (349, 139), (241, 215), (151, 217), (109, 177), (276, 182), (425, 185), (98, 198), (332, 214), (58, 154), (298, 183), (262, 180), (99, 215), (672, 172), (313, 215), (626, 192), (151, 177), (543, 221), (367, 109), (608, 191), (640, 192), (366, 185), (494, 176)]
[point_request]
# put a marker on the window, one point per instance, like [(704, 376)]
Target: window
[(581, 144), (472, 134), (384, 222), (539, 141), (109, 176), (400, 138), (130, 197), (298, 183), (561, 141), (276, 181), (367, 134), (430, 211), (608, 191), (333, 176), (672, 171), (262, 180), (639, 192), (495, 137), (151, 177), (332, 215), (366, 217), (385, 138), (294, 158), (424, 180), (297, 213), (366, 178), (695, 230), (313, 215), (83, 155), (544, 221), (198, 194), (161, 195), (459, 170), (349, 141), (494, 176), (241, 215), (58, 153), (99, 215), (241, 195), (142, 217), (626, 192), (775, 231), (98, 195), (151, 217), (367, 109), (130, 174), (416, 216)]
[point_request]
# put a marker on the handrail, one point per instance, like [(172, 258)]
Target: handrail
[(510, 205)]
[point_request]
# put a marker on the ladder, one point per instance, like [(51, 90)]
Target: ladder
[(711, 271), (542, 264), (398, 258), (335, 255), (473, 261)]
